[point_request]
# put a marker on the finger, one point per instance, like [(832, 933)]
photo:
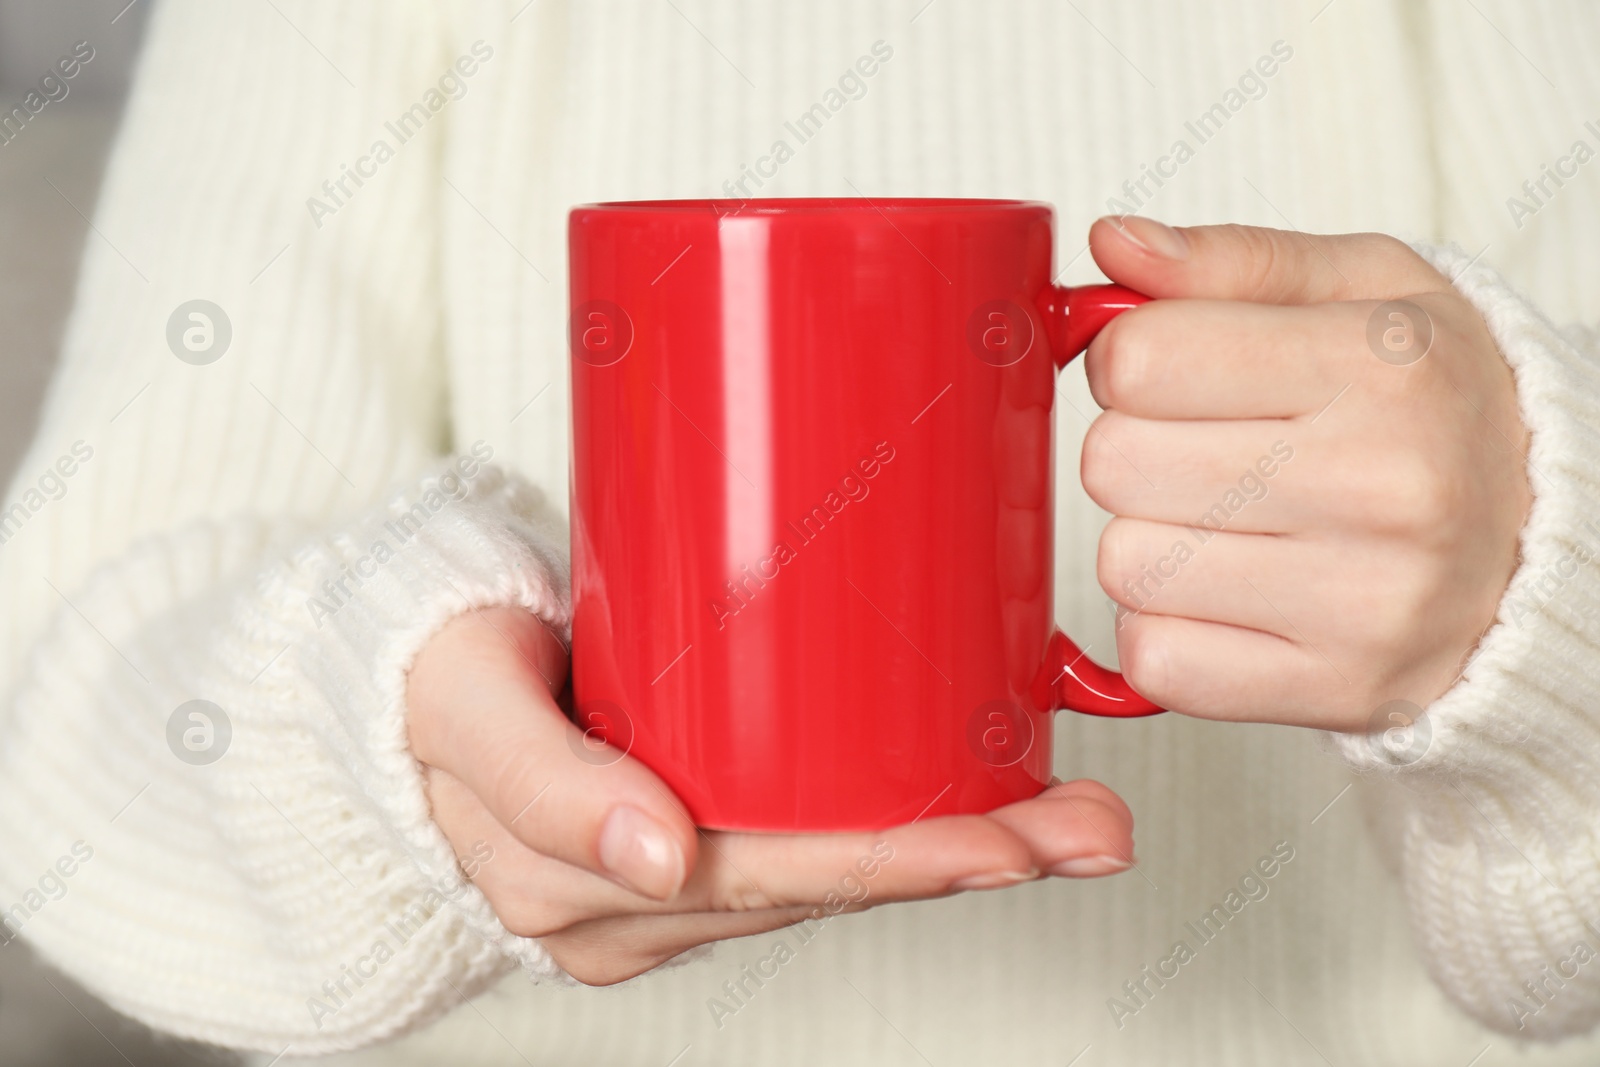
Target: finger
[(599, 932), (532, 894), (606, 951), (1257, 264), (1162, 569), (1235, 579), (1209, 475), (1073, 833), (535, 895), (1089, 789), (502, 735), (1210, 359), (925, 859), (749, 872), (1212, 671)]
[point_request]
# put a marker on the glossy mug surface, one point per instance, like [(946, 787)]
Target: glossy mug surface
[(812, 508)]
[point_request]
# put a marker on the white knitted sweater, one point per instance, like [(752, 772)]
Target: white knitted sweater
[(175, 516)]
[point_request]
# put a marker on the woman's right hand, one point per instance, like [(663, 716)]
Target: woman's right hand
[(600, 860)]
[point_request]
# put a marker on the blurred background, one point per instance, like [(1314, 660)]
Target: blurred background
[(49, 178)]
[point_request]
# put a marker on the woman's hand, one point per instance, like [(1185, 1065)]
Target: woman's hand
[(600, 860), (1341, 415)]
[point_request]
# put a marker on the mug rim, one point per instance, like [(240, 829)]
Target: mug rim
[(788, 205)]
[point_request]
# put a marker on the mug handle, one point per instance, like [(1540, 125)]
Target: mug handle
[(1073, 315)]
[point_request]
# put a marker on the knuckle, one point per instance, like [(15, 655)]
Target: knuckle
[(1388, 245), (1418, 496), (1403, 270), (1260, 257), (606, 968), (743, 895), (1436, 502), (1388, 249), (532, 918), (1091, 791), (1383, 620), (1408, 606), (606, 953), (513, 779), (614, 973)]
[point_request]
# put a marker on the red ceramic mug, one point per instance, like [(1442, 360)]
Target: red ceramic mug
[(812, 504)]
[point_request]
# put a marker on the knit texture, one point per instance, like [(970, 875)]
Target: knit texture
[(308, 840), (385, 330)]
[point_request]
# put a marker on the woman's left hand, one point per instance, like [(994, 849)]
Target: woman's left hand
[(1313, 453)]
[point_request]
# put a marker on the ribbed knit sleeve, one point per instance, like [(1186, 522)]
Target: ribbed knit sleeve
[(1496, 821), (219, 560)]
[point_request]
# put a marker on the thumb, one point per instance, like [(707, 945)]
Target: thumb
[(481, 708), (1256, 264)]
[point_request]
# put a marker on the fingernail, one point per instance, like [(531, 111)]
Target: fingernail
[(995, 879), (639, 854), (1089, 866), (1156, 238)]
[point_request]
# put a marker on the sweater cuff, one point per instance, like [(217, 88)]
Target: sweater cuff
[(270, 872), (466, 538), (1526, 699)]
